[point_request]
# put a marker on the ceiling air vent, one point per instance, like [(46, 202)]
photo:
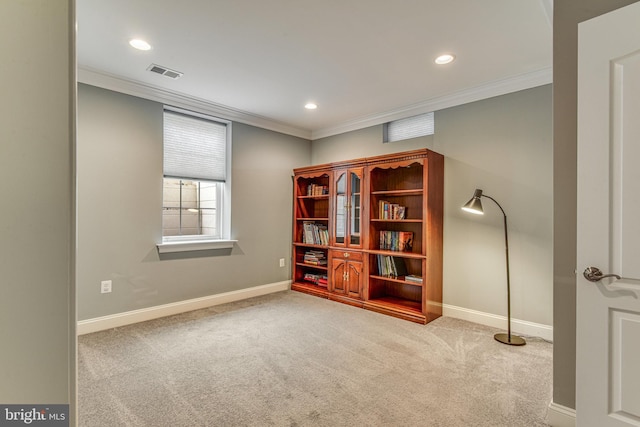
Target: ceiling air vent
[(159, 69)]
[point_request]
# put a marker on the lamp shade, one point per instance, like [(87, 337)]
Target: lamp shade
[(474, 205)]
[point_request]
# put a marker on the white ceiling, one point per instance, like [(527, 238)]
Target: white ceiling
[(362, 61)]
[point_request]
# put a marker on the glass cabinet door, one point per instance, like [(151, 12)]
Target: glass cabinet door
[(355, 208), (340, 208), (348, 208)]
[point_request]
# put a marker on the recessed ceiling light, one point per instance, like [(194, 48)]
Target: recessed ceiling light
[(311, 106), (139, 44), (445, 59)]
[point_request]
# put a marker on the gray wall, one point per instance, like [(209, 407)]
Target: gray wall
[(37, 332), (566, 16), (504, 146), (120, 216)]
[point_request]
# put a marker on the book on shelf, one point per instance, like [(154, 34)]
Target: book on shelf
[(317, 190), (412, 278), (316, 279), (400, 241), (389, 210), (315, 258), (315, 234), (391, 266)]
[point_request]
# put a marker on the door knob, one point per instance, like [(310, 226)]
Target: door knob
[(593, 274)]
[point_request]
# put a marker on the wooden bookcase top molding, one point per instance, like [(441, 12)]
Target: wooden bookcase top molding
[(368, 232)]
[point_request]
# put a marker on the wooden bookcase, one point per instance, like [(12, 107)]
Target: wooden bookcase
[(311, 237), (383, 216)]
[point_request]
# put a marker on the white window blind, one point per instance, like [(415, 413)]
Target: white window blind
[(194, 147), (411, 127)]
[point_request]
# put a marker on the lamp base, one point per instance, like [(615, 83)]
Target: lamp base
[(513, 340)]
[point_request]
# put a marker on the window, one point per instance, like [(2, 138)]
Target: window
[(411, 127), (190, 208), (196, 187)]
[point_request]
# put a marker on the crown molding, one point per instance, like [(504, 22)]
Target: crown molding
[(153, 93), (135, 88), (489, 90)]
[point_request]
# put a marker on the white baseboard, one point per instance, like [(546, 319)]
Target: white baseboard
[(561, 416), (522, 327), (144, 314)]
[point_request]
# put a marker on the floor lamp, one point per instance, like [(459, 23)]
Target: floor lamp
[(475, 206)]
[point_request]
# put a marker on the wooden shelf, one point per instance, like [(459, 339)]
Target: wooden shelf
[(310, 245), (412, 192), (312, 219), (319, 267), (396, 253), (319, 196), (310, 288), (394, 280), (397, 307), (399, 303), (418, 221)]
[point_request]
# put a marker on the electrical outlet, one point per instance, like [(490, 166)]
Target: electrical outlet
[(105, 286), (281, 262)]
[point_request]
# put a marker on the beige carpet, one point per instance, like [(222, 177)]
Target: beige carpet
[(290, 359)]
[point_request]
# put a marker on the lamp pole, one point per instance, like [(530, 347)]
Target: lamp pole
[(474, 205), (508, 339)]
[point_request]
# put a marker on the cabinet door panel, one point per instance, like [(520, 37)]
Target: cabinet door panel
[(338, 276), (354, 279)]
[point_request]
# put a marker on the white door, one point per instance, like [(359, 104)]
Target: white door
[(608, 310)]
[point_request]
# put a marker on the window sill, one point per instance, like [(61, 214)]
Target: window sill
[(194, 245)]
